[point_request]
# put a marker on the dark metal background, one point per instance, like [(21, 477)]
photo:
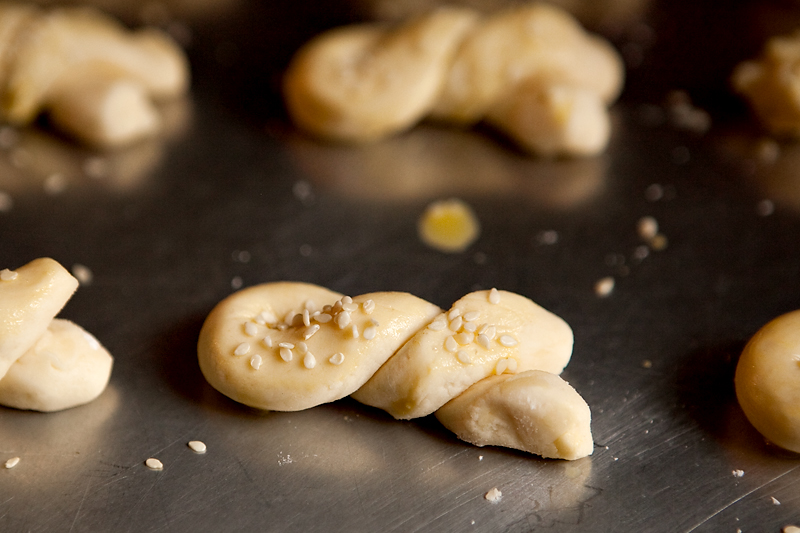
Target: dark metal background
[(234, 194)]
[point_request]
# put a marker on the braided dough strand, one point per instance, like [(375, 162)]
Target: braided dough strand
[(493, 356)]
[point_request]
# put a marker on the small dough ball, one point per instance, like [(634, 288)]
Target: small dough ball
[(768, 381), (449, 226), (534, 411), (484, 333), (290, 346), (30, 297), (66, 367)]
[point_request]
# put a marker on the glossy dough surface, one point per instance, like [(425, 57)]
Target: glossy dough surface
[(275, 383), (768, 381)]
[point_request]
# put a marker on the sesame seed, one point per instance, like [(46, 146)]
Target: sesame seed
[(337, 358), (482, 328), (472, 315), (350, 308), (306, 318), (286, 354), (512, 365), (250, 329), (268, 341), (494, 296), (337, 306), (347, 300), (453, 313), (266, 317), (323, 318), (463, 357), (310, 306), (8, 275), (507, 341), (343, 319), (327, 309), (368, 306), (354, 331), (456, 323), (450, 344), (604, 287), (490, 332), (309, 361), (289, 318), (775, 500), (255, 361), (297, 321), (370, 332), (501, 366), (288, 345), (242, 349), (310, 331), (439, 324), (302, 348), (197, 446), (154, 464), (469, 326), (484, 341), (11, 463), (464, 338)]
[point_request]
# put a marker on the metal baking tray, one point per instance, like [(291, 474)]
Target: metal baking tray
[(233, 196)]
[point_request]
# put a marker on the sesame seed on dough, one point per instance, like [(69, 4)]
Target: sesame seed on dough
[(11, 463), (197, 446), (154, 464)]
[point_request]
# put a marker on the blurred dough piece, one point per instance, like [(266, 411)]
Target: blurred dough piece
[(66, 367), (534, 411), (511, 334), (771, 84)]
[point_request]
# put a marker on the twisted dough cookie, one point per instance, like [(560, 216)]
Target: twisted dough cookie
[(487, 367), (46, 364), (530, 71), (95, 79)]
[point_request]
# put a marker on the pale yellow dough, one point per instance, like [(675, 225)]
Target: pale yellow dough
[(768, 381), (276, 384), (66, 367), (28, 303), (534, 411), (439, 363)]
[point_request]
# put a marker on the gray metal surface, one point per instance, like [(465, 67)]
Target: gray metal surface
[(167, 227)]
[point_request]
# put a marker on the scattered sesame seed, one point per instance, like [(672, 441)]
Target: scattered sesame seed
[(647, 228), (494, 296), (337, 358), (343, 319), (8, 275), (790, 529), (775, 501), (370, 332), (242, 349), (154, 464), (310, 305), (490, 332), (469, 326), (197, 446), (453, 313), (250, 329), (265, 317), (493, 495), (484, 341), (297, 321), (472, 315), (350, 308), (347, 300), (603, 287), (268, 341), (439, 324), (464, 338), (289, 318), (738, 473), (368, 306), (450, 344), (11, 463), (323, 318), (354, 331), (286, 354), (512, 365), (507, 341), (309, 361), (456, 323), (306, 318), (337, 306), (288, 345), (482, 328), (464, 357), (255, 361), (310, 331), (302, 348)]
